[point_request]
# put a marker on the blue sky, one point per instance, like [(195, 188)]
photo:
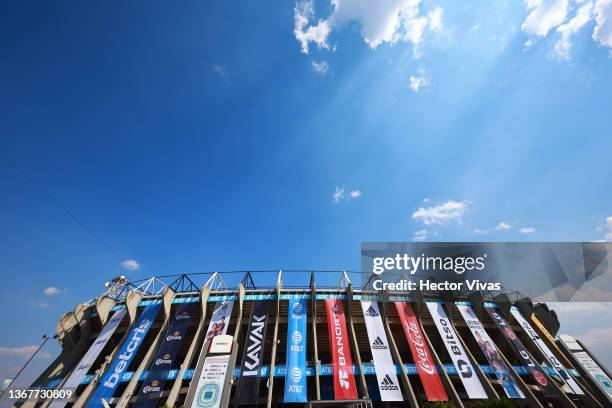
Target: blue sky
[(203, 137)]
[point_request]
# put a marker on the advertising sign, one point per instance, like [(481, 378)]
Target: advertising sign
[(345, 387), (548, 354), (79, 373), (501, 370), (212, 381), (386, 374), (248, 385), (521, 352), (466, 371), (111, 379), (295, 381), (220, 319), (163, 362), (434, 390)]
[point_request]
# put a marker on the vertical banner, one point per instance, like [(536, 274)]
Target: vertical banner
[(521, 352), (164, 360), (295, 381), (248, 386), (466, 371), (386, 374), (213, 381), (90, 357), (110, 380), (434, 390), (499, 367), (548, 354), (345, 387)]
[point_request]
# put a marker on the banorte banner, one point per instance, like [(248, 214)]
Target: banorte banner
[(386, 374), (295, 382), (90, 357), (465, 369), (499, 367), (248, 385), (523, 355), (164, 360), (548, 354), (111, 379), (434, 390), (345, 387)]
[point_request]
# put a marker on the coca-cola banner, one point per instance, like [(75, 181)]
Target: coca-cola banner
[(164, 360), (248, 385), (521, 352), (464, 367), (345, 387), (434, 390)]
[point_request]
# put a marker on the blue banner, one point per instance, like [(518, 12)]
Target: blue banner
[(111, 379), (295, 380)]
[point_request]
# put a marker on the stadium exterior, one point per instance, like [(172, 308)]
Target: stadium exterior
[(110, 357)]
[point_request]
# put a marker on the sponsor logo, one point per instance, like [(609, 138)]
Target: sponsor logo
[(539, 377), (371, 312), (154, 387), (182, 316), (255, 339), (295, 374), (378, 344), (174, 336), (296, 337), (298, 310), (387, 384), (125, 357), (165, 360), (343, 376), (509, 333), (422, 356)]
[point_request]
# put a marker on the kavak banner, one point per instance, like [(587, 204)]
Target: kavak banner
[(521, 352), (386, 374), (295, 381), (76, 377), (345, 387), (488, 348), (548, 354), (464, 367), (213, 381), (434, 390), (110, 380), (248, 386), (152, 387)]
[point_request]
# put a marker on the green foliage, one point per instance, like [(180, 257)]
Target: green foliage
[(439, 404), (503, 403)]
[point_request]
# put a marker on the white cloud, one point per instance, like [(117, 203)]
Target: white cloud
[(441, 214), (608, 236), (502, 226), (418, 82), (303, 13), (130, 264), (320, 68), (435, 19), (25, 351), (545, 15), (222, 72), (355, 194), (338, 194), (569, 29), (603, 22), (51, 290), (527, 230), (480, 231), (420, 235)]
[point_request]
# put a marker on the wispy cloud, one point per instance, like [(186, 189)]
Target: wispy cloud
[(418, 83), (450, 211), (527, 230), (320, 68), (502, 226), (355, 194), (222, 72), (51, 290), (340, 195), (420, 235), (25, 351), (130, 264), (608, 226)]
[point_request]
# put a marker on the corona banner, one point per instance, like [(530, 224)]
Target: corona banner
[(295, 382), (90, 357), (386, 375), (111, 379), (488, 348), (345, 387), (464, 367), (434, 390), (248, 385)]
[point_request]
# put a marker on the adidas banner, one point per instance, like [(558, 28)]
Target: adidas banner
[(550, 357), (434, 390), (345, 387), (388, 383), (164, 360), (295, 382), (111, 379), (91, 356), (248, 385), (466, 371), (488, 348), (523, 355)]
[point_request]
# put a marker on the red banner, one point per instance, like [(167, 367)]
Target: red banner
[(344, 378), (434, 390)]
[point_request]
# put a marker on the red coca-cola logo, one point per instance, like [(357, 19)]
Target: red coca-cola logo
[(416, 338), (539, 377)]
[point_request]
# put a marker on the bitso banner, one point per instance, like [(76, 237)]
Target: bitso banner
[(90, 357), (110, 380), (465, 369), (434, 390), (345, 387), (386, 375), (163, 362), (295, 382), (521, 352), (502, 372), (248, 385), (548, 354)]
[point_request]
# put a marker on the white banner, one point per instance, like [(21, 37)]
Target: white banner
[(388, 383), (211, 382), (90, 357), (220, 319), (465, 369), (550, 357)]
